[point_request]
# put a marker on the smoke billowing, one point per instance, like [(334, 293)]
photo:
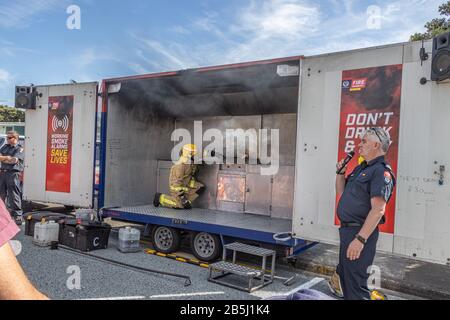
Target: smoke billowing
[(380, 93)]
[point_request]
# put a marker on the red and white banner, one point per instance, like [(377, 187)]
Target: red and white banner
[(371, 98), (59, 144)]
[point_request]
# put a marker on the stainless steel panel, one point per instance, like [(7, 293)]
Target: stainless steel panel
[(222, 124), (163, 176), (257, 199), (283, 193), (239, 168), (231, 206), (163, 180), (256, 169), (136, 140), (287, 126), (164, 164)]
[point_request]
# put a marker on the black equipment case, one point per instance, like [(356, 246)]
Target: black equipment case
[(84, 236)]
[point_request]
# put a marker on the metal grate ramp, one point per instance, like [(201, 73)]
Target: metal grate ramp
[(245, 248), (213, 217), (235, 269)]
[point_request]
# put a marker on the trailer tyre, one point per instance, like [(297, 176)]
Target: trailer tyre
[(165, 239), (205, 246)]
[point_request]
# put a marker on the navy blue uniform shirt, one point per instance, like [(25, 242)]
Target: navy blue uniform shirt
[(16, 152), (368, 180)]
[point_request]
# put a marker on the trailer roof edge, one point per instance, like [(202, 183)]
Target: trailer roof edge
[(205, 69), (64, 84), (384, 46)]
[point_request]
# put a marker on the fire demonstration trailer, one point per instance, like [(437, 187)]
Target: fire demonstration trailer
[(320, 105)]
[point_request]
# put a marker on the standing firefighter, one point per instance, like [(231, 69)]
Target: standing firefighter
[(361, 208), (184, 188), (11, 158)]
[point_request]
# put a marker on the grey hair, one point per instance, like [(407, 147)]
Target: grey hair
[(383, 136)]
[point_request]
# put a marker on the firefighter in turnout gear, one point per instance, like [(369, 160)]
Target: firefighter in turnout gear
[(184, 189)]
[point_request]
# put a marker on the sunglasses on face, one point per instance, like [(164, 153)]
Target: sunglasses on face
[(9, 138), (374, 130)]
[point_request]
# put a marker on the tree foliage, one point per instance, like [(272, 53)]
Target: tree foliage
[(437, 25), (8, 114)]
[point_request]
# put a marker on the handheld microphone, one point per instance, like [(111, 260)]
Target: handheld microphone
[(346, 161)]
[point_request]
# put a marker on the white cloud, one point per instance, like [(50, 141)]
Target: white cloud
[(18, 13), (343, 26), (170, 56), (209, 23), (5, 87), (92, 55), (166, 53), (9, 49), (138, 68), (263, 29), (5, 76), (273, 29), (86, 58), (180, 30), (279, 18)]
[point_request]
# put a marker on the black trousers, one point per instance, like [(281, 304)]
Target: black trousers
[(354, 274), (11, 191)]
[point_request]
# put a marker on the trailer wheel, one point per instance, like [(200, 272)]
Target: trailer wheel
[(205, 246), (165, 239)]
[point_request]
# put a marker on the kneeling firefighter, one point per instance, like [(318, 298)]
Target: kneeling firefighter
[(184, 189)]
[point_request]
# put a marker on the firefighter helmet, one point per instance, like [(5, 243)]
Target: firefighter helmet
[(189, 150)]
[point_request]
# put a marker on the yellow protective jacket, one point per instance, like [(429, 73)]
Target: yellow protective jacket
[(181, 175)]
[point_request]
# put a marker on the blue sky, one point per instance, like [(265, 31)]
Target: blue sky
[(125, 37)]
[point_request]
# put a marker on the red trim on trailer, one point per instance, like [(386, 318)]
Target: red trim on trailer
[(143, 76), (205, 69), (104, 97)]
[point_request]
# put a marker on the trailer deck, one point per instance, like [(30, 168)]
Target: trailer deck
[(224, 223)]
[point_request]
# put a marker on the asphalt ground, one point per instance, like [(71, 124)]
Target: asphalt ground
[(55, 272)]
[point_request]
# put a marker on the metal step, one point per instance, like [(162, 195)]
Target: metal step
[(245, 248), (235, 269), (226, 268)]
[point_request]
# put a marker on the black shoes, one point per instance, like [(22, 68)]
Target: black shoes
[(156, 202), (188, 206), (185, 203), (201, 190)]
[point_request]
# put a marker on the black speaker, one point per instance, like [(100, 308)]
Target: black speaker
[(440, 65), (25, 97)]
